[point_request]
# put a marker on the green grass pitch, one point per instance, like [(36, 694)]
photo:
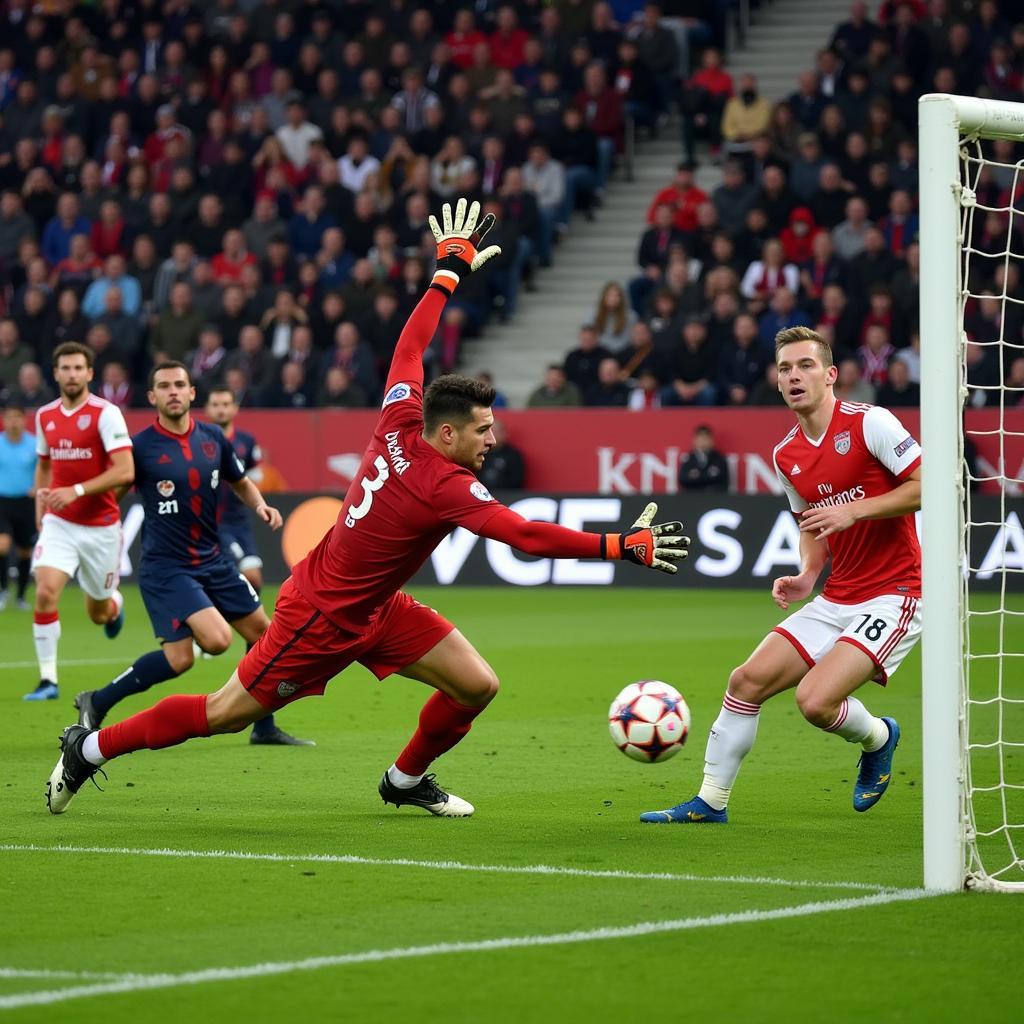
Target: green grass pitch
[(336, 937)]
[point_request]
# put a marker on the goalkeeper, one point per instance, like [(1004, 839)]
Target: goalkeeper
[(343, 602)]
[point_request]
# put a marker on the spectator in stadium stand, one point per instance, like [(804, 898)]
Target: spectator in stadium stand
[(604, 113), (841, 319), (556, 392), (508, 266), (355, 356), (114, 276), (15, 224), (486, 377), (820, 270), (703, 467), (984, 379), (702, 101), (177, 327), (805, 170), (691, 367), (297, 133), (782, 314), (66, 222), (176, 269), (636, 84), (504, 468), (639, 356), (901, 225), (207, 233), (799, 235), (115, 387), (206, 360), (775, 197), (581, 363), (741, 362), (850, 236), (228, 263), (32, 389), (124, 329), (733, 198), (852, 37), (575, 147), (63, 323), (544, 179), (764, 276), (684, 198), (78, 269), (613, 318), (874, 354), (656, 47), (340, 391), (1014, 383), (745, 116), (875, 265), (608, 390), (899, 390), (109, 236), (291, 390), (828, 202), (850, 384), (766, 391), (463, 38), (13, 355)]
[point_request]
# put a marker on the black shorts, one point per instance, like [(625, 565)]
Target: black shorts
[(18, 520)]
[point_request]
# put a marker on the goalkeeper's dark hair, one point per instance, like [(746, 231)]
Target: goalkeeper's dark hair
[(451, 398)]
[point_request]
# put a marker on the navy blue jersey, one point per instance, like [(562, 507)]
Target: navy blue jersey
[(232, 511), (178, 477)]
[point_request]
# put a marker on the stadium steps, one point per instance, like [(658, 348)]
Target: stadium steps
[(783, 40)]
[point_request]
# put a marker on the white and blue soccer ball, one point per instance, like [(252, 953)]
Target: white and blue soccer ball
[(649, 721)]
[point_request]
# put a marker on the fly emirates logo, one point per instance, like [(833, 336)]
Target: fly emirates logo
[(66, 452), (842, 498)]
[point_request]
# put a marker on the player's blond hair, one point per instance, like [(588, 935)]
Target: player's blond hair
[(794, 334)]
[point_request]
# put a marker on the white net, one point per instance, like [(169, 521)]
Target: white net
[(992, 552)]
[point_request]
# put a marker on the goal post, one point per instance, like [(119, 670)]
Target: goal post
[(946, 124)]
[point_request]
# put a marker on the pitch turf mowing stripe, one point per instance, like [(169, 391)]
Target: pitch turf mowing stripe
[(214, 974), (443, 865)]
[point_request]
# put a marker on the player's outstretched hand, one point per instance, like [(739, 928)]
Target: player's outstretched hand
[(791, 588), (270, 516), (654, 545), (458, 240)]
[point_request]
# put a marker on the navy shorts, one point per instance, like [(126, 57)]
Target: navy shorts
[(171, 594), (239, 545)]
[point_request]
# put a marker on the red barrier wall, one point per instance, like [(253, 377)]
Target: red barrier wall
[(592, 451)]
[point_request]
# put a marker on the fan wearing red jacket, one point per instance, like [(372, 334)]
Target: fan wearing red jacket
[(343, 602)]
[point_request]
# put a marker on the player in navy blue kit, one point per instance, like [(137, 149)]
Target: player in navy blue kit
[(190, 588)]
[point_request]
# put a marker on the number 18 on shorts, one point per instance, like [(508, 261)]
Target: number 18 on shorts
[(884, 628)]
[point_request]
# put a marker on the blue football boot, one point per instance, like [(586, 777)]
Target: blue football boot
[(876, 770), (46, 690), (693, 812)]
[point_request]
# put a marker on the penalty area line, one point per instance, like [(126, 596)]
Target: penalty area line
[(72, 663), (215, 974), (442, 865)]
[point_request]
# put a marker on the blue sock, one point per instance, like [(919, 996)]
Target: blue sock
[(147, 671), (264, 726)]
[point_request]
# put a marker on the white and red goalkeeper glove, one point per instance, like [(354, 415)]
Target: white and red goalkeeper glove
[(658, 546), (458, 243)]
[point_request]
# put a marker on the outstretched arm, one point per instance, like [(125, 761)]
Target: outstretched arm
[(458, 254)]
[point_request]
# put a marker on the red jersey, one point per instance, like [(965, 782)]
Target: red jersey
[(78, 443), (865, 452), (685, 204), (406, 497)]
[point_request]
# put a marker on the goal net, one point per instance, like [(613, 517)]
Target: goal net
[(972, 427)]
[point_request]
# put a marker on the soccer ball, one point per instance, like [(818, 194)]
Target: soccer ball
[(649, 721)]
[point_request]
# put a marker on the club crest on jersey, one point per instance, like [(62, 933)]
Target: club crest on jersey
[(209, 449), (286, 689), (83, 421), (165, 488), (480, 492), (842, 442), (396, 394)]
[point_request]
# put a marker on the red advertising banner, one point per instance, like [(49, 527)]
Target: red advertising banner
[(584, 451)]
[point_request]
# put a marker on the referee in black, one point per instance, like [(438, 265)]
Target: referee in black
[(17, 501)]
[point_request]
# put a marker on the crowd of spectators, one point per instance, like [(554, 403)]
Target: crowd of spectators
[(245, 184), (815, 223)]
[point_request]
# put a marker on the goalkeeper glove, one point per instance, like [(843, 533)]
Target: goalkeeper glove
[(657, 547), (458, 244)]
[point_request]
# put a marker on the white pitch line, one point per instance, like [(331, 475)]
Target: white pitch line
[(18, 972), (212, 974), (65, 664), (442, 865)]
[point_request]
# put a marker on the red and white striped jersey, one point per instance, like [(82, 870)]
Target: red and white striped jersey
[(78, 443), (864, 452)]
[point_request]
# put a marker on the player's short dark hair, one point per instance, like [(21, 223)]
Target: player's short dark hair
[(221, 389), (794, 334), (168, 364), (13, 404), (72, 348), (452, 398)]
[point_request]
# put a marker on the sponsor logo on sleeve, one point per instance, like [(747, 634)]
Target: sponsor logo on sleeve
[(165, 488), (480, 492), (396, 394), (842, 442), (904, 446)]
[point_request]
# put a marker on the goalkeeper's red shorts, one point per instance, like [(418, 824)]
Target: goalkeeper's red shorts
[(303, 650)]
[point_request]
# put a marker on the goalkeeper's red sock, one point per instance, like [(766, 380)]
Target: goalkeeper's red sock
[(443, 722), (167, 723)]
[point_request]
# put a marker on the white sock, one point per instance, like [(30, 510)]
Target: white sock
[(91, 749), (46, 635), (118, 598), (857, 725), (729, 741), (401, 780)]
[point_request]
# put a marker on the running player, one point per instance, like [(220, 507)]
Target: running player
[(343, 602), (853, 477), (85, 454), (17, 511), (189, 587)]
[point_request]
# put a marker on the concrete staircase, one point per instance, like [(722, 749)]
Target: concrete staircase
[(782, 42)]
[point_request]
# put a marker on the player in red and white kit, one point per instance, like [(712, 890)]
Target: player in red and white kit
[(853, 476), (85, 453), (343, 602)]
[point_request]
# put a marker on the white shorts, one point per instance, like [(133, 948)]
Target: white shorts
[(884, 628), (93, 552)]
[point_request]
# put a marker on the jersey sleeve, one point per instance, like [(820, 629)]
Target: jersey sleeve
[(890, 442), (796, 503), (113, 429), (42, 448), (460, 499), (231, 468)]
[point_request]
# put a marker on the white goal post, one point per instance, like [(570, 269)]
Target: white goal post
[(949, 130)]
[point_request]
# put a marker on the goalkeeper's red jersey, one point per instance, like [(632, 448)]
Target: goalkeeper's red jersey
[(405, 498)]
